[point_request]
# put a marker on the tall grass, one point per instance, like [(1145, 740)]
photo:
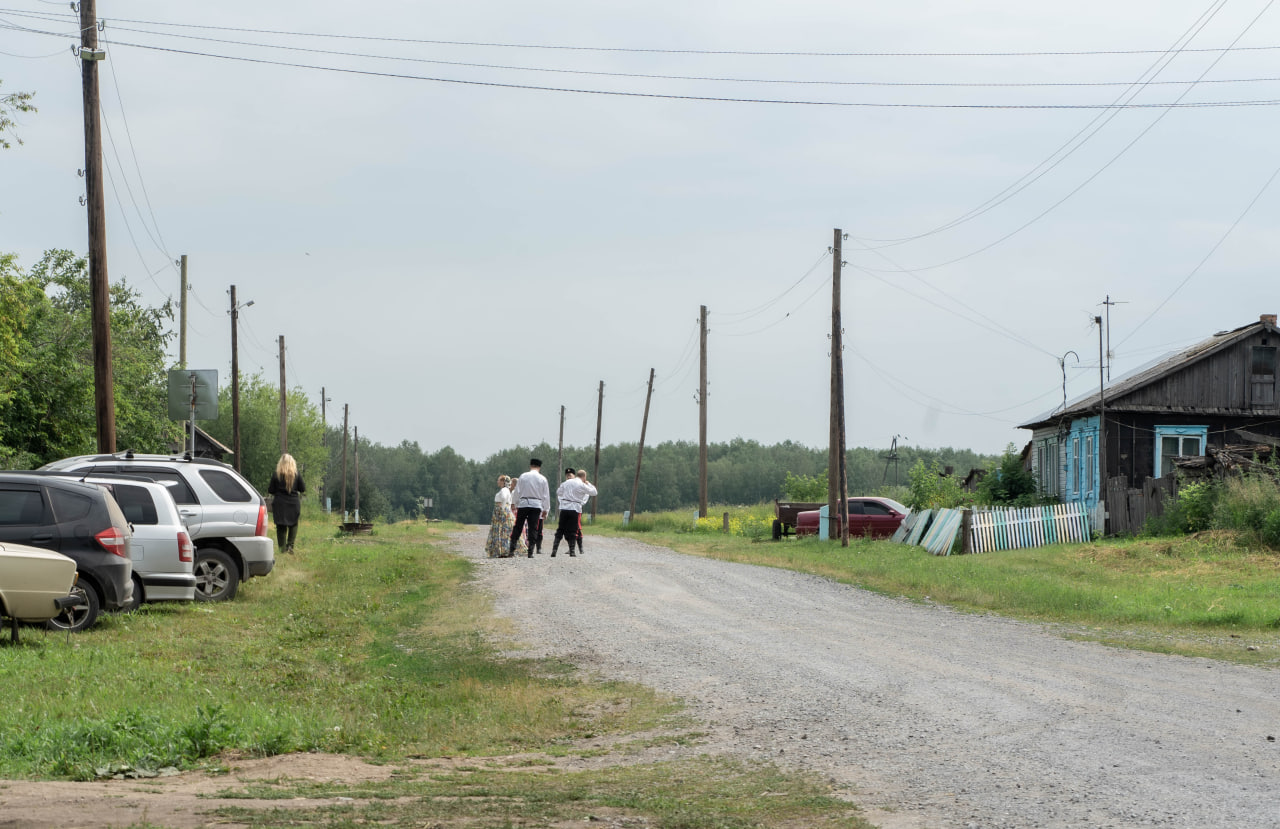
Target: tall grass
[(370, 645)]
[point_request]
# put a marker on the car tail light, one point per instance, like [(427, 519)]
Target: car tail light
[(186, 550), (261, 529), (112, 540)]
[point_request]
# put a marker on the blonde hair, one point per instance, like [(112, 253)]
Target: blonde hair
[(287, 471), (502, 480)]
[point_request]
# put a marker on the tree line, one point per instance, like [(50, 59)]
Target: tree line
[(47, 413)]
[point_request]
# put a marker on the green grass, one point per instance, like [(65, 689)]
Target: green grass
[(372, 646), (1213, 594)]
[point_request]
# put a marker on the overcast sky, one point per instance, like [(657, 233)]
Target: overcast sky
[(457, 250)]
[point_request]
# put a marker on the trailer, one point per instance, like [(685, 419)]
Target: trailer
[(785, 512)]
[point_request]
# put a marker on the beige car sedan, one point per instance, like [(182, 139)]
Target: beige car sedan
[(35, 584)]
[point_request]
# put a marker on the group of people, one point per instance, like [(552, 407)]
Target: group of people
[(522, 504)]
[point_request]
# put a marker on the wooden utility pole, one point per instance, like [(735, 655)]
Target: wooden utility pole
[(595, 470), (644, 424), (344, 461), (1102, 427), (182, 315), (284, 406), (356, 451), (559, 476), (702, 417), (843, 510), (99, 283), (833, 444), (324, 440), (235, 379)]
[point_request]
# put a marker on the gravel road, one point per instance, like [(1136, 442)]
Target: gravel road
[(928, 717)]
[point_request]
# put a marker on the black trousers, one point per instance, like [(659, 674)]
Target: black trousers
[(285, 534), (569, 528), (533, 517)]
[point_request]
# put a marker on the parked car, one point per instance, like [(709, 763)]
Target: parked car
[(224, 515), (868, 516), (81, 521), (35, 584), (161, 550)]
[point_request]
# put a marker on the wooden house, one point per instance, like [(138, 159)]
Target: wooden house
[(1219, 391)]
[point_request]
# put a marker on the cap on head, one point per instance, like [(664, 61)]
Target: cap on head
[(568, 470), (535, 462)]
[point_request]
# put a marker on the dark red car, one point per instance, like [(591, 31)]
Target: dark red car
[(868, 516)]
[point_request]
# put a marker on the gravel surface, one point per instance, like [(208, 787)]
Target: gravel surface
[(929, 717)]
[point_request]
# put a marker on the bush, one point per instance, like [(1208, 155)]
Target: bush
[(931, 489), (1193, 511)]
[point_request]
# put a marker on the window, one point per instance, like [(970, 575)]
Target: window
[(1050, 483), (1262, 376), (173, 481), (1178, 440), (20, 507), (225, 486), (874, 508), (1075, 467), (69, 506), (1088, 463), (136, 504)]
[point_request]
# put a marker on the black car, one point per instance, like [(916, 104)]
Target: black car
[(81, 521)]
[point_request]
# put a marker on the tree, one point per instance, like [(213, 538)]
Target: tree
[(46, 395), (260, 431), (11, 104)]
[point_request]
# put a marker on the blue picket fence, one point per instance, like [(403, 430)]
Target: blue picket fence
[(996, 528)]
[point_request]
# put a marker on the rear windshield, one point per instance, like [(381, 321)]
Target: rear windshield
[(136, 503)]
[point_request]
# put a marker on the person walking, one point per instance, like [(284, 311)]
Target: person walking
[(533, 502), (286, 488), (521, 546), (572, 495), (496, 546)]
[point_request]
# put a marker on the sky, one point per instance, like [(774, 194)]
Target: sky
[(464, 216)]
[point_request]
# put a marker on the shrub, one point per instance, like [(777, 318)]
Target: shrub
[(931, 489), (808, 488), (1193, 510)]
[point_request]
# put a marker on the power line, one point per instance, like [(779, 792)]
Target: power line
[(640, 50), (708, 78), (1101, 169), (1179, 104), (1075, 142), (1207, 256)]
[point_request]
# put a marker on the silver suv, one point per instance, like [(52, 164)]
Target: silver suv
[(224, 514)]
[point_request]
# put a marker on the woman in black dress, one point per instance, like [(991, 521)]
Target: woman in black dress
[(286, 487)]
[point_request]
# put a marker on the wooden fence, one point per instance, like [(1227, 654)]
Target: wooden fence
[(1129, 508), (1015, 529), (993, 528)]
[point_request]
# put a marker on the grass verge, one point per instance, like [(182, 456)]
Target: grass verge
[(1214, 594), (371, 646)]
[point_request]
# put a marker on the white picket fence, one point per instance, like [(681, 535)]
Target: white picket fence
[(996, 528), (1015, 529)]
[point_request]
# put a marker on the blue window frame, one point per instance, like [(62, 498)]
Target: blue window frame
[(1177, 440)]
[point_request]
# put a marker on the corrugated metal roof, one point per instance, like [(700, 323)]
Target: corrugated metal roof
[(1149, 372)]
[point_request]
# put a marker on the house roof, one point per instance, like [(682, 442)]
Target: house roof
[(1154, 370)]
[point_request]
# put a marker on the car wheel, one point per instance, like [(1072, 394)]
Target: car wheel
[(81, 615), (136, 601), (217, 576)]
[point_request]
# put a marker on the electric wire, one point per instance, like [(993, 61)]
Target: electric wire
[(1075, 142), (756, 311), (1100, 170), (708, 78), (1178, 104), (142, 183), (644, 50), (785, 316), (1223, 238)]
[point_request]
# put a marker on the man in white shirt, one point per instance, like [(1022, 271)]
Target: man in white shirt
[(572, 495), (533, 501)]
